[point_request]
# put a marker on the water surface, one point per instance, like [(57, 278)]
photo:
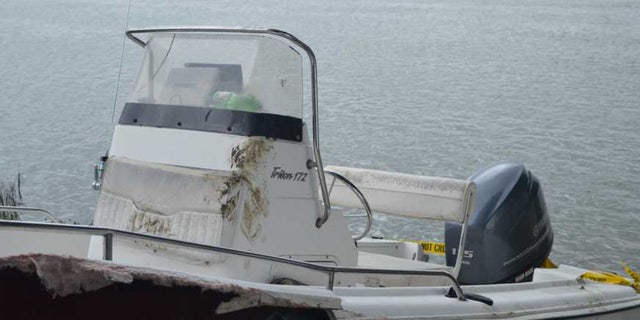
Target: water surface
[(438, 88)]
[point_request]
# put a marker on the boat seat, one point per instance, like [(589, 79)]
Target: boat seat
[(411, 196), (169, 201)]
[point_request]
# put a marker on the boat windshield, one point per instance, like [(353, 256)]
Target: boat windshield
[(240, 72)]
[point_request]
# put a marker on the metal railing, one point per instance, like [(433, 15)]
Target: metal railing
[(109, 235), (30, 210), (361, 197)]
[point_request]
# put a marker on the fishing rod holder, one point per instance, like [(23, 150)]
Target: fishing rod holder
[(98, 172)]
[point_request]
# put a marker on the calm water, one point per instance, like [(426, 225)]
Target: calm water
[(425, 87)]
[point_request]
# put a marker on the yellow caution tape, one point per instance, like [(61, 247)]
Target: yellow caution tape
[(635, 275), (612, 278), (431, 247), (606, 277), (548, 264)]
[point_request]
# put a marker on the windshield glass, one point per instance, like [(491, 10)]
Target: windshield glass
[(253, 73)]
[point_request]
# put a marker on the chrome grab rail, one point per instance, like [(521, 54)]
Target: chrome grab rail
[(317, 163), (358, 194), (110, 234), (29, 209)]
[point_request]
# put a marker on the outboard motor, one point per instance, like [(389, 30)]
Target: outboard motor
[(509, 233)]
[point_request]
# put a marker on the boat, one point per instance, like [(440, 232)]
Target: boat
[(214, 203)]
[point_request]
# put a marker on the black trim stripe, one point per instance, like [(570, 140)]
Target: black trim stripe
[(212, 120)]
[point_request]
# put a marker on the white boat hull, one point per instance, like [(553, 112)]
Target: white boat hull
[(553, 293), (214, 204)]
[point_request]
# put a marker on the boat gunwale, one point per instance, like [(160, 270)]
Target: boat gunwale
[(109, 234)]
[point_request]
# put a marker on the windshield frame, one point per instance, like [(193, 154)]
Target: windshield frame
[(293, 42)]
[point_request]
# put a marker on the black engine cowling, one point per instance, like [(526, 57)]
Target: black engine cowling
[(509, 232)]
